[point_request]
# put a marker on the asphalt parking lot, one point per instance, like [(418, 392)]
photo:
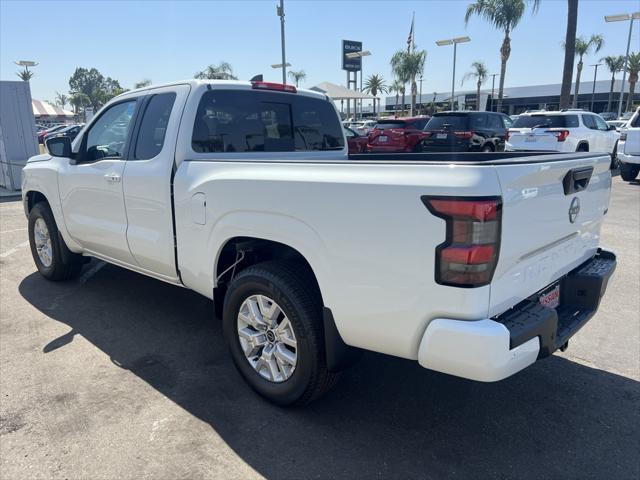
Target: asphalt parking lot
[(115, 375)]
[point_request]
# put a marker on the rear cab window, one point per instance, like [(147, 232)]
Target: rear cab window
[(547, 121), (153, 127), (258, 121)]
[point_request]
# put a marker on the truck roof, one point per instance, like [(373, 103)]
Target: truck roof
[(233, 84)]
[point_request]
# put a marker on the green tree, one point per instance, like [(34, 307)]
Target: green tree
[(569, 53), (398, 87), (222, 71), (407, 65), (633, 67), (142, 83), (584, 47), (480, 73), (375, 84), (615, 64), (297, 76), (79, 101), (504, 15), (25, 74), (98, 88), (61, 99)]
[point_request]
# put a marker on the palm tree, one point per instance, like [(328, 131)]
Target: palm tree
[(25, 74), (407, 65), (480, 73), (222, 71), (398, 87), (503, 15), (615, 64), (569, 53), (142, 83), (633, 67), (297, 76), (79, 100), (375, 84), (61, 99), (584, 47)]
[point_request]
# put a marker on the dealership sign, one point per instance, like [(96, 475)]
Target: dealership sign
[(351, 64)]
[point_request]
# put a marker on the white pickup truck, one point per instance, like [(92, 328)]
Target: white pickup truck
[(475, 265)]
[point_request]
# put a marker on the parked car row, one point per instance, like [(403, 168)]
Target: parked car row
[(66, 130), (571, 130)]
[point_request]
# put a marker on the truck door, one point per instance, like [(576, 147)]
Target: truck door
[(147, 180), (91, 185)]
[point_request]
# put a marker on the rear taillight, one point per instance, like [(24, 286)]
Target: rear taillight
[(507, 135), (427, 134), (281, 87), (469, 255), (465, 134), (623, 136), (560, 134)]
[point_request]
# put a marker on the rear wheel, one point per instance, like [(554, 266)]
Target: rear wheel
[(50, 254), (629, 172), (272, 322), (487, 148), (614, 157)]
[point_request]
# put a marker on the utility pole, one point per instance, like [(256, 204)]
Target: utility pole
[(493, 88), (593, 90), (420, 97), (280, 12)]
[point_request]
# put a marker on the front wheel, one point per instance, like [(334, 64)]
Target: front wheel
[(52, 257), (629, 172), (272, 322)]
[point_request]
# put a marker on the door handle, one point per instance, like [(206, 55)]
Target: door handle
[(112, 177)]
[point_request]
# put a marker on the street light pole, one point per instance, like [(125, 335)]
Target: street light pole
[(455, 42), (280, 11), (593, 90), (622, 18)]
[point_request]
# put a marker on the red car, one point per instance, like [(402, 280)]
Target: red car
[(397, 135), (357, 142)]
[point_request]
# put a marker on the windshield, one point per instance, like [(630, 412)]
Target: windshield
[(442, 122), (546, 121)]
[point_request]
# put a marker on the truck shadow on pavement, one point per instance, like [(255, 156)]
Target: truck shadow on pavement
[(387, 417)]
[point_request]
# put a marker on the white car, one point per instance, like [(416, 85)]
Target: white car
[(244, 193), (563, 131), (629, 148)]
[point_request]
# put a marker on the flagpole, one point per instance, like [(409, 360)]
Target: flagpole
[(413, 37)]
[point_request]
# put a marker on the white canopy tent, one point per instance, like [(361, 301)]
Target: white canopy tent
[(338, 92)]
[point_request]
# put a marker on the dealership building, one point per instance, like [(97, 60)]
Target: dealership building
[(519, 99)]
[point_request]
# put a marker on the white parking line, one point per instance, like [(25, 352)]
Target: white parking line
[(14, 249), (14, 230)]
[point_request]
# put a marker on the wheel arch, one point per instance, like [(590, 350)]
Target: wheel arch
[(34, 196), (252, 250), (581, 144)]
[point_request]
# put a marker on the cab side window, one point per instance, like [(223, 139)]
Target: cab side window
[(589, 122), (600, 123), (107, 137), (153, 127)]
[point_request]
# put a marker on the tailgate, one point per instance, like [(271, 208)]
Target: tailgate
[(549, 225), (533, 139), (632, 143)]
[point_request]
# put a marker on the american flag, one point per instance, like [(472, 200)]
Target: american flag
[(410, 38)]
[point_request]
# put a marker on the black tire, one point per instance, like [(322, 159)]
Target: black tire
[(486, 148), (614, 158), (64, 263), (295, 291), (629, 172)]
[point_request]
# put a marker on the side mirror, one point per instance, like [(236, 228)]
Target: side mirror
[(59, 146)]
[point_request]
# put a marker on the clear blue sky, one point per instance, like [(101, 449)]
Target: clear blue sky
[(167, 40)]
